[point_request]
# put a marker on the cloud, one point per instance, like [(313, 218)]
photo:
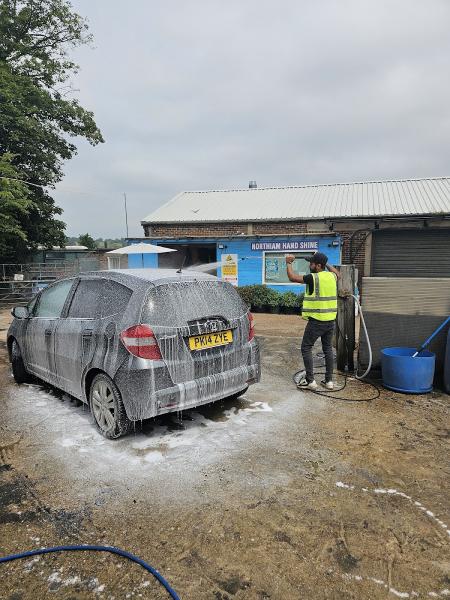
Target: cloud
[(201, 95)]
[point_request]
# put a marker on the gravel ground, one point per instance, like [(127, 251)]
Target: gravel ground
[(279, 495)]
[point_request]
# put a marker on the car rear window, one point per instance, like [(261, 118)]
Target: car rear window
[(98, 298), (177, 303), (87, 300), (115, 298)]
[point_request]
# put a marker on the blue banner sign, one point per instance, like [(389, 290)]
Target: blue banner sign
[(287, 245)]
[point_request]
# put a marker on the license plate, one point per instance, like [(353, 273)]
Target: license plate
[(210, 340)]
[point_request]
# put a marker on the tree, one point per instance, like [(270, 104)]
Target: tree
[(15, 207), (38, 115), (22, 219), (88, 241)]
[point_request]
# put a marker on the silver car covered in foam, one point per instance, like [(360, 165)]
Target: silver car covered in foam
[(134, 344)]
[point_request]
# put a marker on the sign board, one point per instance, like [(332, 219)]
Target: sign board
[(230, 268), (287, 245), (274, 267)]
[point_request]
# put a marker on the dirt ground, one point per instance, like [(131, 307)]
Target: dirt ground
[(279, 495)]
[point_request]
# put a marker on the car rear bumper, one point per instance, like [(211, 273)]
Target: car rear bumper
[(205, 390), (142, 401)]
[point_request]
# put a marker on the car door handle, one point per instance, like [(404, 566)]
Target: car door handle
[(48, 332)]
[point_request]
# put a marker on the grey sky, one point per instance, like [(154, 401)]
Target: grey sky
[(208, 94)]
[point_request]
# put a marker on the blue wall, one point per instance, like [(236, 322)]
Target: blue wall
[(150, 260), (250, 262), (250, 269)]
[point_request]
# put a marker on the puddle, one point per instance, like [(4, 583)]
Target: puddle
[(178, 442), (13, 493), (219, 411)]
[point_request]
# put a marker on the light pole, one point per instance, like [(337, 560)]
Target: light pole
[(126, 213)]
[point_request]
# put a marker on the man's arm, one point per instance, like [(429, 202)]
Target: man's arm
[(333, 270), (290, 272)]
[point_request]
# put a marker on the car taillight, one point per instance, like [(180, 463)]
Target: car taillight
[(251, 331), (140, 341)]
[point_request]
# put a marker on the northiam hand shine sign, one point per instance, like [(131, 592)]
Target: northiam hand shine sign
[(287, 245)]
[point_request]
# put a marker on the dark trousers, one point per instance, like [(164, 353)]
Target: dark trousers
[(313, 331)]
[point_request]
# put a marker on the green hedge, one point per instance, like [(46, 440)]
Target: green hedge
[(264, 298)]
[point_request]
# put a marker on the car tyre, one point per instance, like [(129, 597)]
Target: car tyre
[(19, 371), (107, 408)]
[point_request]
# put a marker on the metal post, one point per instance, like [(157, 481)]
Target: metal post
[(126, 212), (345, 334)]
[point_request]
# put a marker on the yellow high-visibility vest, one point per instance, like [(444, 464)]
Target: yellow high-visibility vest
[(322, 303)]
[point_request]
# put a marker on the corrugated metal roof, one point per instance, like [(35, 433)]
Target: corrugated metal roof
[(340, 200)]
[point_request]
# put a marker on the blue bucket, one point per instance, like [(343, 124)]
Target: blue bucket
[(403, 373)]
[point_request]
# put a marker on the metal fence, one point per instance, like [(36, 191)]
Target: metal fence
[(20, 282), (14, 293), (32, 271)]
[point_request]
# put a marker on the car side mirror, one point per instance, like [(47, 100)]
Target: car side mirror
[(20, 312)]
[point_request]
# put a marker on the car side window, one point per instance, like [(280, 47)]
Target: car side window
[(87, 300), (31, 305), (52, 299), (115, 298)]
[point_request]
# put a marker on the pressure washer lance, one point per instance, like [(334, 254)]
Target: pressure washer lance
[(435, 332)]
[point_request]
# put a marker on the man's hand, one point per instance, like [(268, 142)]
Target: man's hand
[(289, 258), (333, 270)]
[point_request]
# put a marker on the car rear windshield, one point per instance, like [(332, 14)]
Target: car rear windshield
[(98, 298), (177, 303)]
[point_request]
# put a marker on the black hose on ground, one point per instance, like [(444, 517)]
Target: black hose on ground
[(328, 394)]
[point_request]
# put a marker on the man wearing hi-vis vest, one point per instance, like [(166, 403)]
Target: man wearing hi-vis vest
[(320, 310)]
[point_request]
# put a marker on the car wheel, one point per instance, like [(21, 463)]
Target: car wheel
[(107, 408), (19, 372)]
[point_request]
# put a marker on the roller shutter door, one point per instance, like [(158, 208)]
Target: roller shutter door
[(411, 253), (404, 315)]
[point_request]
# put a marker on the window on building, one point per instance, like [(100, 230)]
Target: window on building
[(275, 267), (114, 262)]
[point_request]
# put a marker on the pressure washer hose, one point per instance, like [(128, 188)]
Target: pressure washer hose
[(111, 549), (367, 371), (327, 394)]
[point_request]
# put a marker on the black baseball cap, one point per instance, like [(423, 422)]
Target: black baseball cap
[(318, 258)]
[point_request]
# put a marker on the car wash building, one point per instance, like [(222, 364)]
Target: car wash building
[(387, 228)]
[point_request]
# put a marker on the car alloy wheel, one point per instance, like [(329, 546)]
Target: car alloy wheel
[(107, 408), (103, 405)]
